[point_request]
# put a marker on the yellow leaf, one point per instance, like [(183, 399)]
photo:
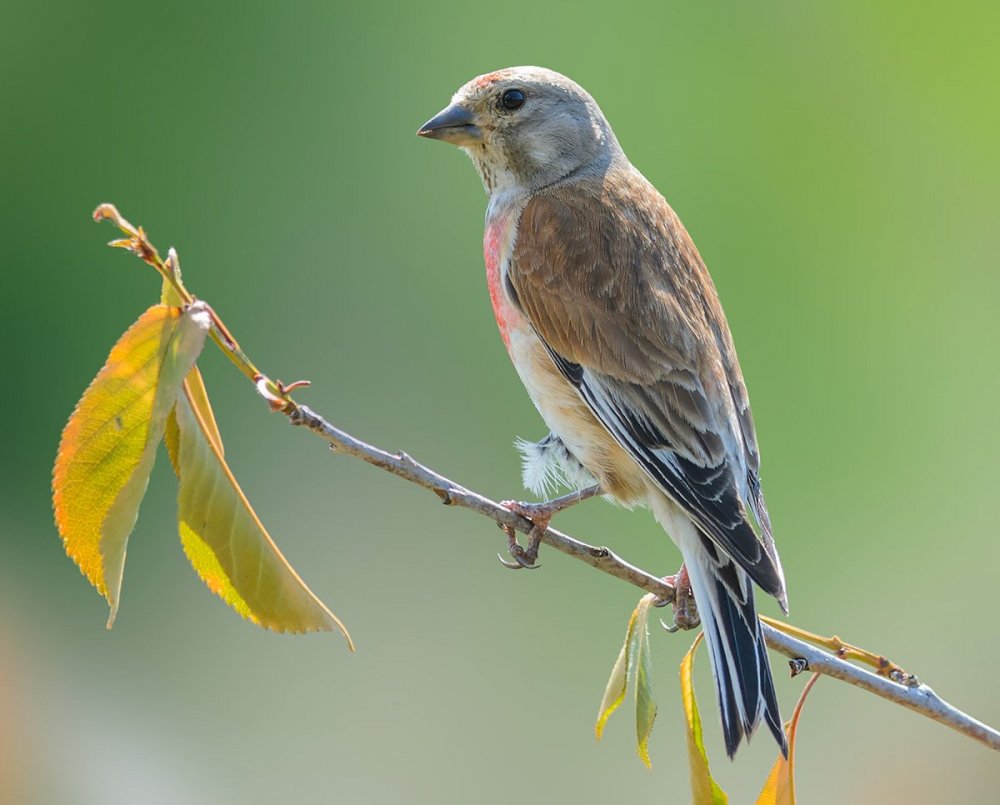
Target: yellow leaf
[(645, 707), (777, 785), (226, 542), (704, 789), (633, 667), (194, 387), (193, 383), (108, 447), (779, 788), (614, 691)]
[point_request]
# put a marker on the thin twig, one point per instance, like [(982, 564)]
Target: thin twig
[(912, 695), (453, 494), (882, 665)]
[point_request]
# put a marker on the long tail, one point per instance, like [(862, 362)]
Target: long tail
[(736, 648)]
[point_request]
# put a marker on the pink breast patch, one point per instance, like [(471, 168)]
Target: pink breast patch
[(494, 239)]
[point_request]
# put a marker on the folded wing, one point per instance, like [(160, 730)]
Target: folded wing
[(617, 292)]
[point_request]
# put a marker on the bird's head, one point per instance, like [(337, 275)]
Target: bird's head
[(525, 128)]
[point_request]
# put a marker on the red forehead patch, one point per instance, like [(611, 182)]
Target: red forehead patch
[(490, 78)]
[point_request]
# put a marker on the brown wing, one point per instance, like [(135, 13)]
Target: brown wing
[(616, 290)]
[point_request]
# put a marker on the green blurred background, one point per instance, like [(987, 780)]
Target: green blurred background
[(837, 165)]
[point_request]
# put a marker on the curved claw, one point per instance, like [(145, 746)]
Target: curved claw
[(517, 553), (508, 565), (518, 563), (671, 629)]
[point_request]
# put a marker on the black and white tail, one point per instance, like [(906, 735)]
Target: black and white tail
[(737, 652)]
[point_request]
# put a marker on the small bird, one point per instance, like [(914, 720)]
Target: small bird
[(615, 328)]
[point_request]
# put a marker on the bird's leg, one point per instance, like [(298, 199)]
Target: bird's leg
[(523, 558), (541, 515), (685, 608)]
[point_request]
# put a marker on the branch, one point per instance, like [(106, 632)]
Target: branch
[(919, 698), (453, 494), (908, 692), (890, 682)]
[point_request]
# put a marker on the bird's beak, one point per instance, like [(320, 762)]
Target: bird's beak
[(455, 125)]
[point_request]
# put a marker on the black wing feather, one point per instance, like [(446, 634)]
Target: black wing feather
[(708, 493)]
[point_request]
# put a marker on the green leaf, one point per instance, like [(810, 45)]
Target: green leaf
[(109, 445), (704, 789), (645, 707), (614, 692), (197, 394), (632, 667), (224, 539), (779, 788)]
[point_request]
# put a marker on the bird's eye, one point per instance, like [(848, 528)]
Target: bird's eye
[(512, 99)]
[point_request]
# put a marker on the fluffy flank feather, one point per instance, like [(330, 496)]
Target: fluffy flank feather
[(547, 465)]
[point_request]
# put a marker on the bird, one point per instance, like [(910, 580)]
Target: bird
[(615, 328)]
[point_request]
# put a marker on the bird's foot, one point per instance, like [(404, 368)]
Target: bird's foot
[(685, 608), (543, 512), (541, 515), (524, 556)]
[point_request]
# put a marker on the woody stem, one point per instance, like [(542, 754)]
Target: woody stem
[(780, 637)]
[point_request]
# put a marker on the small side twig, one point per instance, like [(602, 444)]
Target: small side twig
[(882, 665)]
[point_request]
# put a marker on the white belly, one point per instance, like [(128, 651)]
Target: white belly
[(569, 418)]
